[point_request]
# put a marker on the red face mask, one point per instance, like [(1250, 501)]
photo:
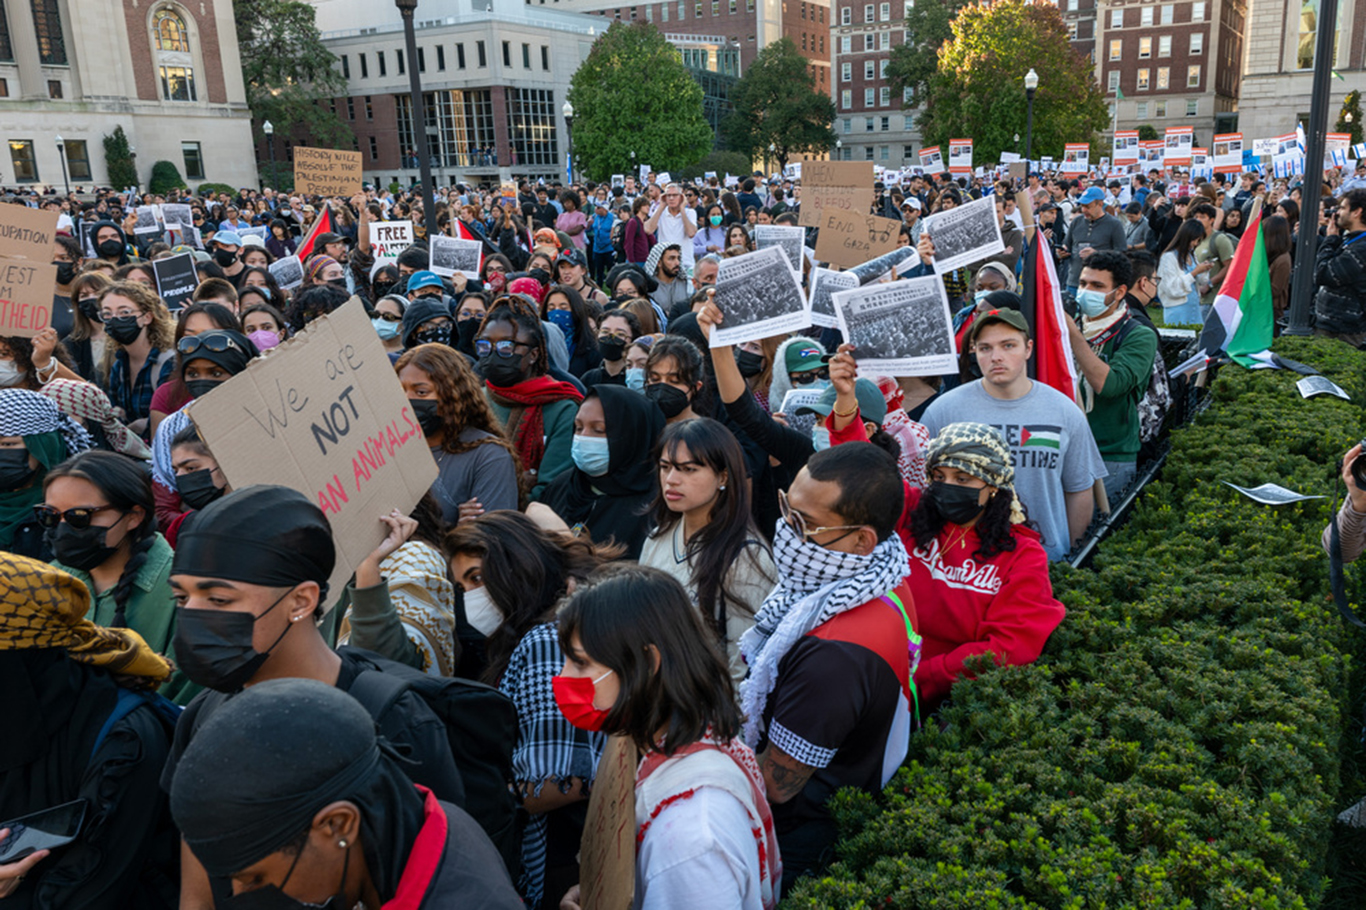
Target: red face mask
[(575, 695)]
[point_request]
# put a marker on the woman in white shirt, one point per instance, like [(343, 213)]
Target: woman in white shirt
[(1178, 284)]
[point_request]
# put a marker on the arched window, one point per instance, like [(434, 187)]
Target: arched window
[(175, 64)]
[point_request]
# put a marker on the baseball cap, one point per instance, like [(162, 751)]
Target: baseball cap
[(801, 357), (871, 405), (253, 240), (227, 238), (1013, 318), (570, 257), (324, 239), (423, 279), (912, 203), (1092, 194)]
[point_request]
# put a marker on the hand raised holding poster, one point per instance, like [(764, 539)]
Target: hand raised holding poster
[(965, 234), (899, 329)]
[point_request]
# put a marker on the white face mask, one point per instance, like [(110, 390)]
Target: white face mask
[(10, 374), (481, 612)]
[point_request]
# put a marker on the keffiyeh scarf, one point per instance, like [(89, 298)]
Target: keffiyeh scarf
[(25, 413), (814, 585), (89, 402), (979, 450), (1097, 333)]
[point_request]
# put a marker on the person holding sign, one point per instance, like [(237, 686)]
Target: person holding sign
[(641, 664)]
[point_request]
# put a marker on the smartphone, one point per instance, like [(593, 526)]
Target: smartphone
[(43, 830)]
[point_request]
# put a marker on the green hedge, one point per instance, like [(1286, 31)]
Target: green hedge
[(1181, 742)]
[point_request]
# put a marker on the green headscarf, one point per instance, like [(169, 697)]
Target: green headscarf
[(16, 507)]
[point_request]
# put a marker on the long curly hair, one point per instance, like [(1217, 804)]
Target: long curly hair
[(460, 398), (161, 331), (993, 526)]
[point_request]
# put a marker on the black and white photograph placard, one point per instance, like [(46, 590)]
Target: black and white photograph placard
[(964, 235), (177, 213), (901, 328), (288, 272), (825, 282), (759, 295), (451, 255), (790, 238), (147, 220)]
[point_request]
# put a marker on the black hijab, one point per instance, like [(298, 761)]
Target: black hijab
[(616, 504)]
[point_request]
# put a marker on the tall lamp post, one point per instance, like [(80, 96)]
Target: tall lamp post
[(61, 156), (839, 144), (568, 112), (424, 164), (1031, 85), (269, 129)]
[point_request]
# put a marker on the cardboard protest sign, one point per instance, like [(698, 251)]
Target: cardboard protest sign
[(27, 277), (325, 415), (176, 279), (932, 160), (326, 172), (1228, 153), (838, 186), (960, 156), (389, 238), (1126, 146), (1076, 158), (1178, 143), (27, 233), (848, 240), (607, 855)]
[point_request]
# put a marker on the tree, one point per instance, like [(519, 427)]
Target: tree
[(1349, 119), (1147, 133), (118, 160), (633, 94), (165, 177), (929, 24), (978, 90), (776, 104), (721, 163), (289, 72)]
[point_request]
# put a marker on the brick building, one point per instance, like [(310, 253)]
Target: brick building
[(167, 72), (870, 123)]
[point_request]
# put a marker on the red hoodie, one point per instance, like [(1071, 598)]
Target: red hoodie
[(966, 606)]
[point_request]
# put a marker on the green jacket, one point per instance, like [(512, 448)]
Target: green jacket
[(558, 417), (1114, 416)]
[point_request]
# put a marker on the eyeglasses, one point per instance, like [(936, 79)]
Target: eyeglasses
[(216, 342), (796, 522), (504, 349), (388, 317), (79, 519), (811, 376)]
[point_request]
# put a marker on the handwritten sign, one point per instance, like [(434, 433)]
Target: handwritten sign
[(607, 859), (849, 239), (326, 172), (25, 296), (324, 415), (838, 186), (27, 233), (389, 238)]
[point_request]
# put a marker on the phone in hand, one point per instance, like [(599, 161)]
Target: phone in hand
[(45, 830)]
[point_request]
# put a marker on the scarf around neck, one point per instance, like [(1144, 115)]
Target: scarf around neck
[(526, 423), (1097, 332)]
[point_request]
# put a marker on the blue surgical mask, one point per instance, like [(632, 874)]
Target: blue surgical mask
[(635, 378), (385, 329), (590, 454), (1092, 303), (820, 438), (564, 319), (980, 296), (817, 386)]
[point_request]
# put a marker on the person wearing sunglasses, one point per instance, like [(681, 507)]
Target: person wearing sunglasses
[(35, 436), (387, 318)]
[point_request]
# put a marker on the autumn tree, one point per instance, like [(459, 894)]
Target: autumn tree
[(776, 105)]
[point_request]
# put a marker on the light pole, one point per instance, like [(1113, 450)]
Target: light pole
[(269, 129), (424, 164), (61, 155), (568, 112), (1031, 84), (839, 144)]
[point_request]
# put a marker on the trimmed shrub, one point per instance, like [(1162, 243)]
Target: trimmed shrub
[(205, 189), (1180, 741), (165, 177)]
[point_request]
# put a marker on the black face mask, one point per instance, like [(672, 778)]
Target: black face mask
[(672, 401), (82, 549), (65, 272), (123, 329), (108, 249), (198, 388), (436, 334), (15, 473), (90, 309), (468, 328), (612, 348), (273, 897), (225, 258), (750, 363), (956, 503), (424, 409), (214, 647), (338, 283), (197, 488), (501, 372), (381, 290)]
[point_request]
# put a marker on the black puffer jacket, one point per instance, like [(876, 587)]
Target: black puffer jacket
[(1340, 276)]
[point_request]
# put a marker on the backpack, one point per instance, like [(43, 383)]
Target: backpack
[(481, 726), (619, 240), (1152, 407), (166, 711)]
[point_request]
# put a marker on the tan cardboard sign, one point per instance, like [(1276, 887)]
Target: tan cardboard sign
[(835, 186), (607, 858), (27, 233), (848, 239), (326, 172), (325, 415), (26, 295)]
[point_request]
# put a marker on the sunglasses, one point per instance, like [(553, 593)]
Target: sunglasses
[(505, 349), (215, 342), (389, 317), (797, 522), (79, 518), (811, 376)]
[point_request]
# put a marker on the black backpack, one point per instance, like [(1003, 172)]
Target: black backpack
[(481, 725)]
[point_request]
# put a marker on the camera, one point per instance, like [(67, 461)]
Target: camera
[(1359, 467)]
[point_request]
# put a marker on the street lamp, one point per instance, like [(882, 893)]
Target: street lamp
[(61, 155), (568, 112), (1031, 84), (269, 129), (839, 144), (419, 119)]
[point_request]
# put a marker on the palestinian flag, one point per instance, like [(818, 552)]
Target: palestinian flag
[(1041, 292), (1240, 324), (321, 225), (1040, 436)]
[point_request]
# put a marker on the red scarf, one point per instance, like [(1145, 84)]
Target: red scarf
[(526, 423)]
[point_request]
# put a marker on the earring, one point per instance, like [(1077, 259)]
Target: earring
[(342, 843), (295, 618), (723, 486)]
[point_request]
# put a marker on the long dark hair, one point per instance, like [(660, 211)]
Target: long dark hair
[(687, 361), (993, 526), (126, 485), (583, 325), (1188, 236), (716, 548), (1276, 237), (627, 611)]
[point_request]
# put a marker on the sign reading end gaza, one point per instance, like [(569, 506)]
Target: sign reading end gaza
[(324, 414), (326, 172)]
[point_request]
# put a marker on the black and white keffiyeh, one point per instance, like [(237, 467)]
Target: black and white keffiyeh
[(25, 413), (814, 585)]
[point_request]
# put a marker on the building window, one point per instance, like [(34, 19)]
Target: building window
[(846, 16), (1309, 18), (350, 108), (383, 68), (697, 11), (1168, 11), (884, 96), (884, 12), (1114, 80), (867, 124), (364, 68), (1116, 49), (1192, 107), (369, 109), (882, 68), (1141, 110), (21, 154), (54, 88), (1145, 48), (398, 56), (664, 12), (868, 42), (346, 66), (6, 48), (1145, 16), (1197, 44), (1164, 80), (194, 160), (716, 7), (867, 153), (682, 10), (374, 149), (545, 57), (507, 54), (1116, 18), (172, 42), (77, 159), (848, 126), (1143, 79), (177, 83), (1164, 46), (868, 94), (460, 56), (458, 122), (886, 124), (846, 99), (884, 152), (532, 117), (1160, 110), (884, 41), (868, 69), (868, 13), (1198, 11), (1193, 76), (526, 56), (1072, 30), (482, 54), (846, 72), (846, 44), (47, 23), (440, 58)]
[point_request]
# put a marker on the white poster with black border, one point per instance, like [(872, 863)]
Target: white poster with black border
[(177, 213), (288, 272), (788, 238), (760, 297), (450, 255), (964, 235), (147, 220), (825, 282), (1310, 386), (901, 328)]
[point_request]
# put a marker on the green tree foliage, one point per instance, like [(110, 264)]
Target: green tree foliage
[(776, 103), (929, 24), (165, 177), (978, 90), (633, 94), (721, 162), (1147, 133), (118, 160), (290, 74), (1351, 105)]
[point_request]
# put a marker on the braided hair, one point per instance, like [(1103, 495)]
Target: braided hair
[(125, 483), (521, 313)]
